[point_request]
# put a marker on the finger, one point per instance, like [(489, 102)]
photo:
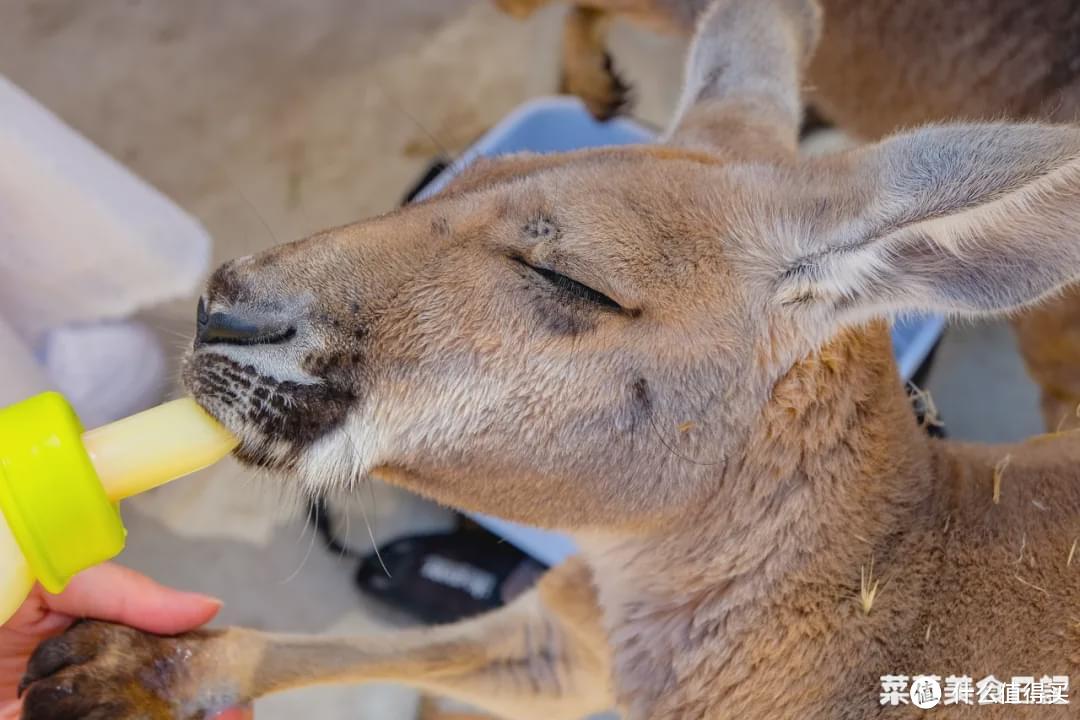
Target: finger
[(244, 713), (117, 594), (35, 618)]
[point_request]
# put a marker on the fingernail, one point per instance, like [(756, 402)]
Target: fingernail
[(208, 599)]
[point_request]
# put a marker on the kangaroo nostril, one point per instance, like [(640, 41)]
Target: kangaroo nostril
[(236, 329)]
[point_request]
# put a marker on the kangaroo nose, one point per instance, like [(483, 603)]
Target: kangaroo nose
[(238, 328)]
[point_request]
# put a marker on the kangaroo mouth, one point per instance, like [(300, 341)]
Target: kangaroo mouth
[(275, 420)]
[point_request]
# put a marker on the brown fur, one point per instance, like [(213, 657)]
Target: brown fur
[(722, 430), (587, 68), (882, 67)]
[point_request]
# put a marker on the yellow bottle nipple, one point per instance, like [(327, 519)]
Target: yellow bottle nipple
[(155, 446)]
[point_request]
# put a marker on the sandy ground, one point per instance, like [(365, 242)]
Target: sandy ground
[(271, 119)]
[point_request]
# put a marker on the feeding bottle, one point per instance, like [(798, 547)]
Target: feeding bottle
[(59, 486)]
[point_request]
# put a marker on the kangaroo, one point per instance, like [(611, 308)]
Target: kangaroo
[(675, 353), (884, 66)]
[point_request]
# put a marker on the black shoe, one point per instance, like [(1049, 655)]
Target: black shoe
[(449, 576)]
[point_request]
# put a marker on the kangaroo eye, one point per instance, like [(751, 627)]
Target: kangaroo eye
[(571, 288)]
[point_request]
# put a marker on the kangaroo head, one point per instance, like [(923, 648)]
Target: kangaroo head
[(581, 339)]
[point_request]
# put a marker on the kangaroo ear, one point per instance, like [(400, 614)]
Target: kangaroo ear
[(741, 91), (966, 219)]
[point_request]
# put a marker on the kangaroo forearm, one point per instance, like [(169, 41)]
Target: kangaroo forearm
[(512, 661), (544, 653)]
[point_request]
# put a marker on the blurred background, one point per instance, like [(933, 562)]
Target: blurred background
[(270, 119)]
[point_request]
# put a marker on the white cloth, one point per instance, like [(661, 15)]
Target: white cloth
[(82, 241), (20, 375), (106, 370)]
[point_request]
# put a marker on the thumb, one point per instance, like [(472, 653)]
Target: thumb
[(117, 594)]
